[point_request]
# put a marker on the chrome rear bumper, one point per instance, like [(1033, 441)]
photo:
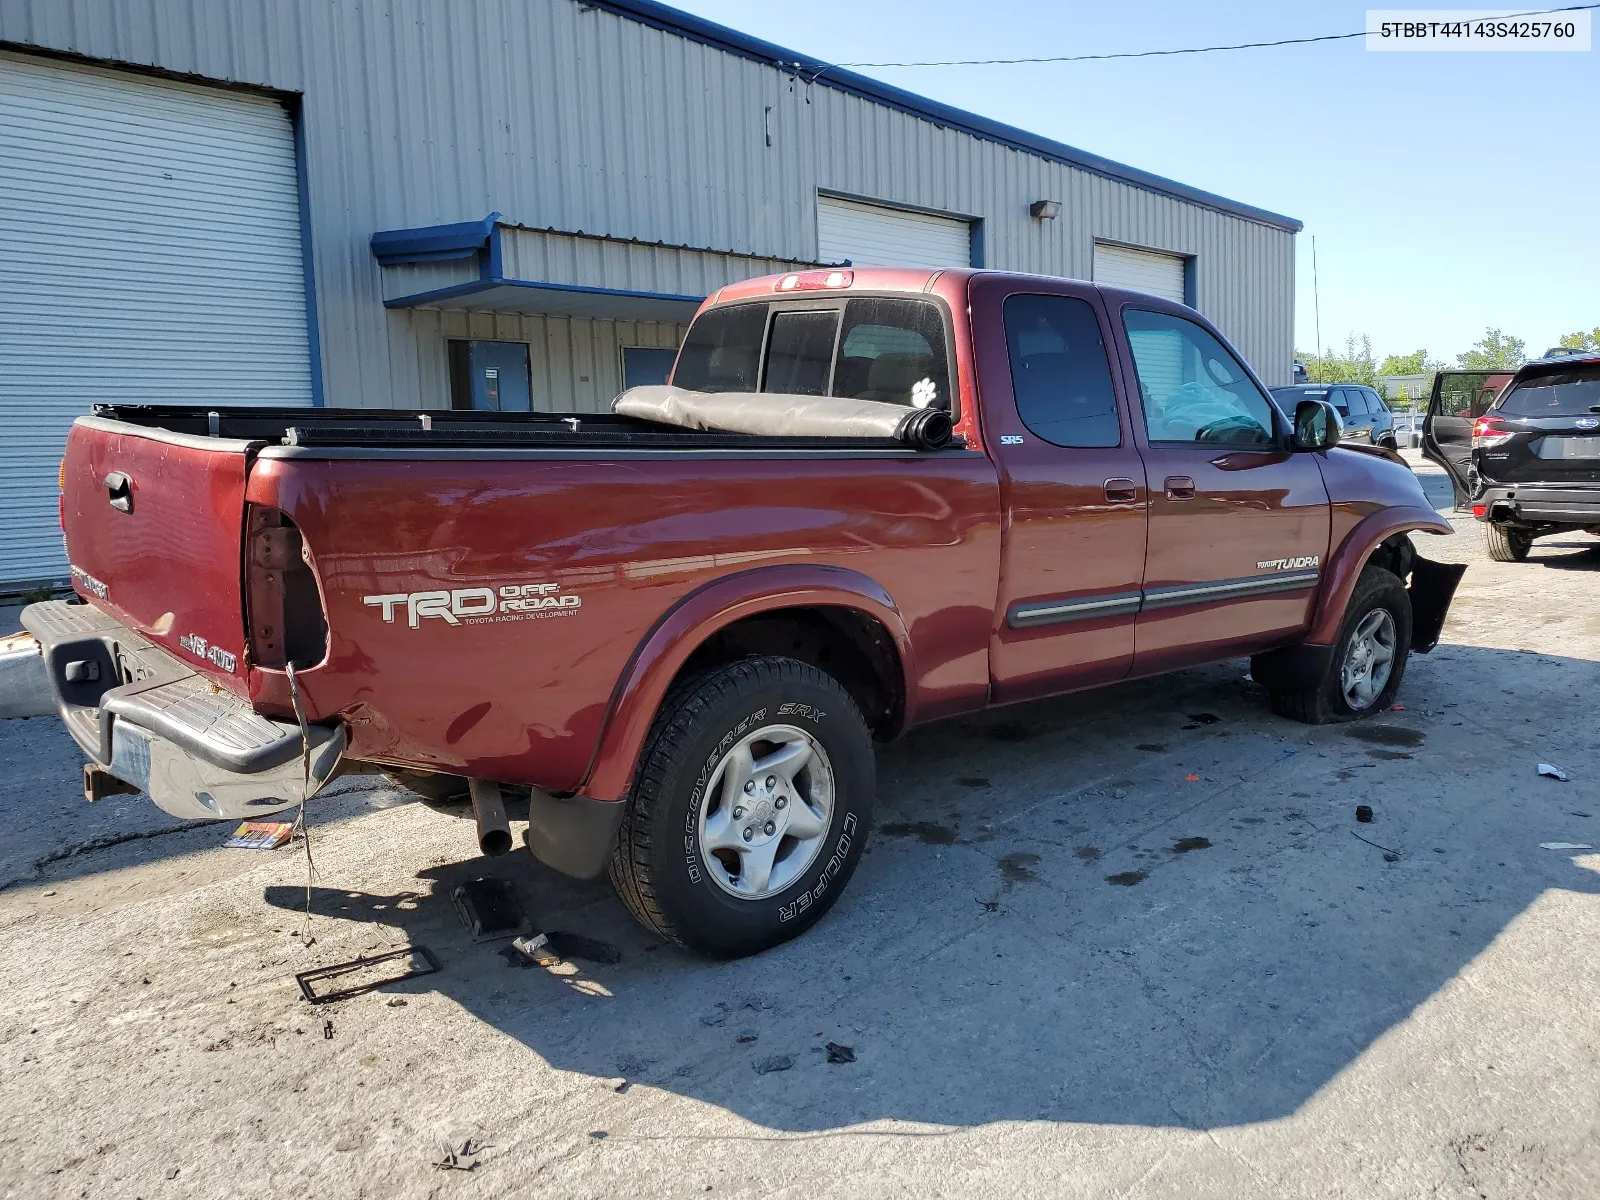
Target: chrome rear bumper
[(151, 721)]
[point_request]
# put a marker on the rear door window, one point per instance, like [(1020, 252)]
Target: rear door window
[(1060, 373), (1457, 394)]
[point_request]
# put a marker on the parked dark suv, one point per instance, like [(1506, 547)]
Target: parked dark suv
[(1530, 463), (1365, 416)]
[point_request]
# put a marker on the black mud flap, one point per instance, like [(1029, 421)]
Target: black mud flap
[(1433, 586)]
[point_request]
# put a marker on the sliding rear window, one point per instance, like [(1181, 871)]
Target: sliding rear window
[(865, 348), (1569, 393)]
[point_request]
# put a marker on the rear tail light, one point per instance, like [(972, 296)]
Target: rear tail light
[(1480, 511), (283, 604), (1490, 431), (814, 281), (61, 495)]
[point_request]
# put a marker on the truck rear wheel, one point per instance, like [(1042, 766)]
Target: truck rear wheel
[(1506, 544), (1362, 674), (750, 808)]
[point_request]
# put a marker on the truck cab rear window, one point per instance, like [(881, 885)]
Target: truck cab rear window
[(868, 348)]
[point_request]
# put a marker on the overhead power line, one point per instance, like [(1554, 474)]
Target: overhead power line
[(1072, 58)]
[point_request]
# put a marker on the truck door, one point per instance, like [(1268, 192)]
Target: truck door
[(1071, 488), (1239, 523)]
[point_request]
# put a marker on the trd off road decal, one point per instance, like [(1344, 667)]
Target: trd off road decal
[(1289, 564), (479, 605)]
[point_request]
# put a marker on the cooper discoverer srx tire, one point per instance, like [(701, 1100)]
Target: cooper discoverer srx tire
[(782, 745)]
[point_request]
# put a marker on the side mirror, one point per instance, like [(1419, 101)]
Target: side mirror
[(1316, 426)]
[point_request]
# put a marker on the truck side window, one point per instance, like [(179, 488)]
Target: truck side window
[(893, 351), (723, 350), (800, 353), (1191, 386), (1059, 371)]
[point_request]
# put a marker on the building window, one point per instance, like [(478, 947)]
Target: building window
[(642, 365)]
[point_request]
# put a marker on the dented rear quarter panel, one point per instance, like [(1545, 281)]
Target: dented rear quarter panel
[(526, 700)]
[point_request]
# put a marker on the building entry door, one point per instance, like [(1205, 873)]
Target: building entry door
[(490, 376)]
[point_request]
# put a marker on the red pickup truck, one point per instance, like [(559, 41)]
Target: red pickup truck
[(682, 642)]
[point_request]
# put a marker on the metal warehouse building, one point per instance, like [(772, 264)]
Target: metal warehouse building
[(491, 203)]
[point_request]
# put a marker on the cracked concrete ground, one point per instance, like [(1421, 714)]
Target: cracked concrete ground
[(1100, 946)]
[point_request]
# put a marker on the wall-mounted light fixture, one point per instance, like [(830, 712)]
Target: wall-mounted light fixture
[(1045, 210)]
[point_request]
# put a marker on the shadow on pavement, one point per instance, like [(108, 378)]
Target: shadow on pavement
[(1183, 954)]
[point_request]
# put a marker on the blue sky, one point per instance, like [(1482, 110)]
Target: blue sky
[(1447, 192)]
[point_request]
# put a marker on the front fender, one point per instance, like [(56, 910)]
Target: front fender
[(700, 614), (1345, 563)]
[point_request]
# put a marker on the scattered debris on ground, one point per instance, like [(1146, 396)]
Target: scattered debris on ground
[(1364, 813), (261, 835), (840, 1054), (420, 961), (775, 1062), (489, 908), (1565, 846), (1551, 771), (468, 1158), (1389, 855), (576, 945)]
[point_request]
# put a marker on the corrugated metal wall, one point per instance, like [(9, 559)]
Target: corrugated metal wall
[(560, 116)]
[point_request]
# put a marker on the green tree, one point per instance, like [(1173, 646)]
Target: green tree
[(1581, 340), (1415, 363), (1494, 351), (1355, 365)]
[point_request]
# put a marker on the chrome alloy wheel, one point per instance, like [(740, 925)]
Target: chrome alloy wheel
[(766, 811), (1368, 659)]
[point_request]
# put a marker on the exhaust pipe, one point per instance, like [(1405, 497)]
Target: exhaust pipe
[(494, 831)]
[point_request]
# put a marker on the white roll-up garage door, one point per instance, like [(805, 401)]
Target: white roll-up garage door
[(1139, 271), (872, 235), (149, 253)]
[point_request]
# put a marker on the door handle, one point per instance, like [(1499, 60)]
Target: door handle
[(1121, 491), (119, 490), (1179, 487)]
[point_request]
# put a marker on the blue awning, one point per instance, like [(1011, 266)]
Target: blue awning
[(492, 291)]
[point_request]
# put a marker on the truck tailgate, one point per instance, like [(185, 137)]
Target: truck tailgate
[(154, 523)]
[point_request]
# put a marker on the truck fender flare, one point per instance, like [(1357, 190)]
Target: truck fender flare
[(682, 629), (1345, 564)]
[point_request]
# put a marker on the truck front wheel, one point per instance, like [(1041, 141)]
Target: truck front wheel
[(750, 807), (1361, 674)]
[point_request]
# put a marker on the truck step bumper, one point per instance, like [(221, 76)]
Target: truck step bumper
[(148, 719), (24, 686)]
